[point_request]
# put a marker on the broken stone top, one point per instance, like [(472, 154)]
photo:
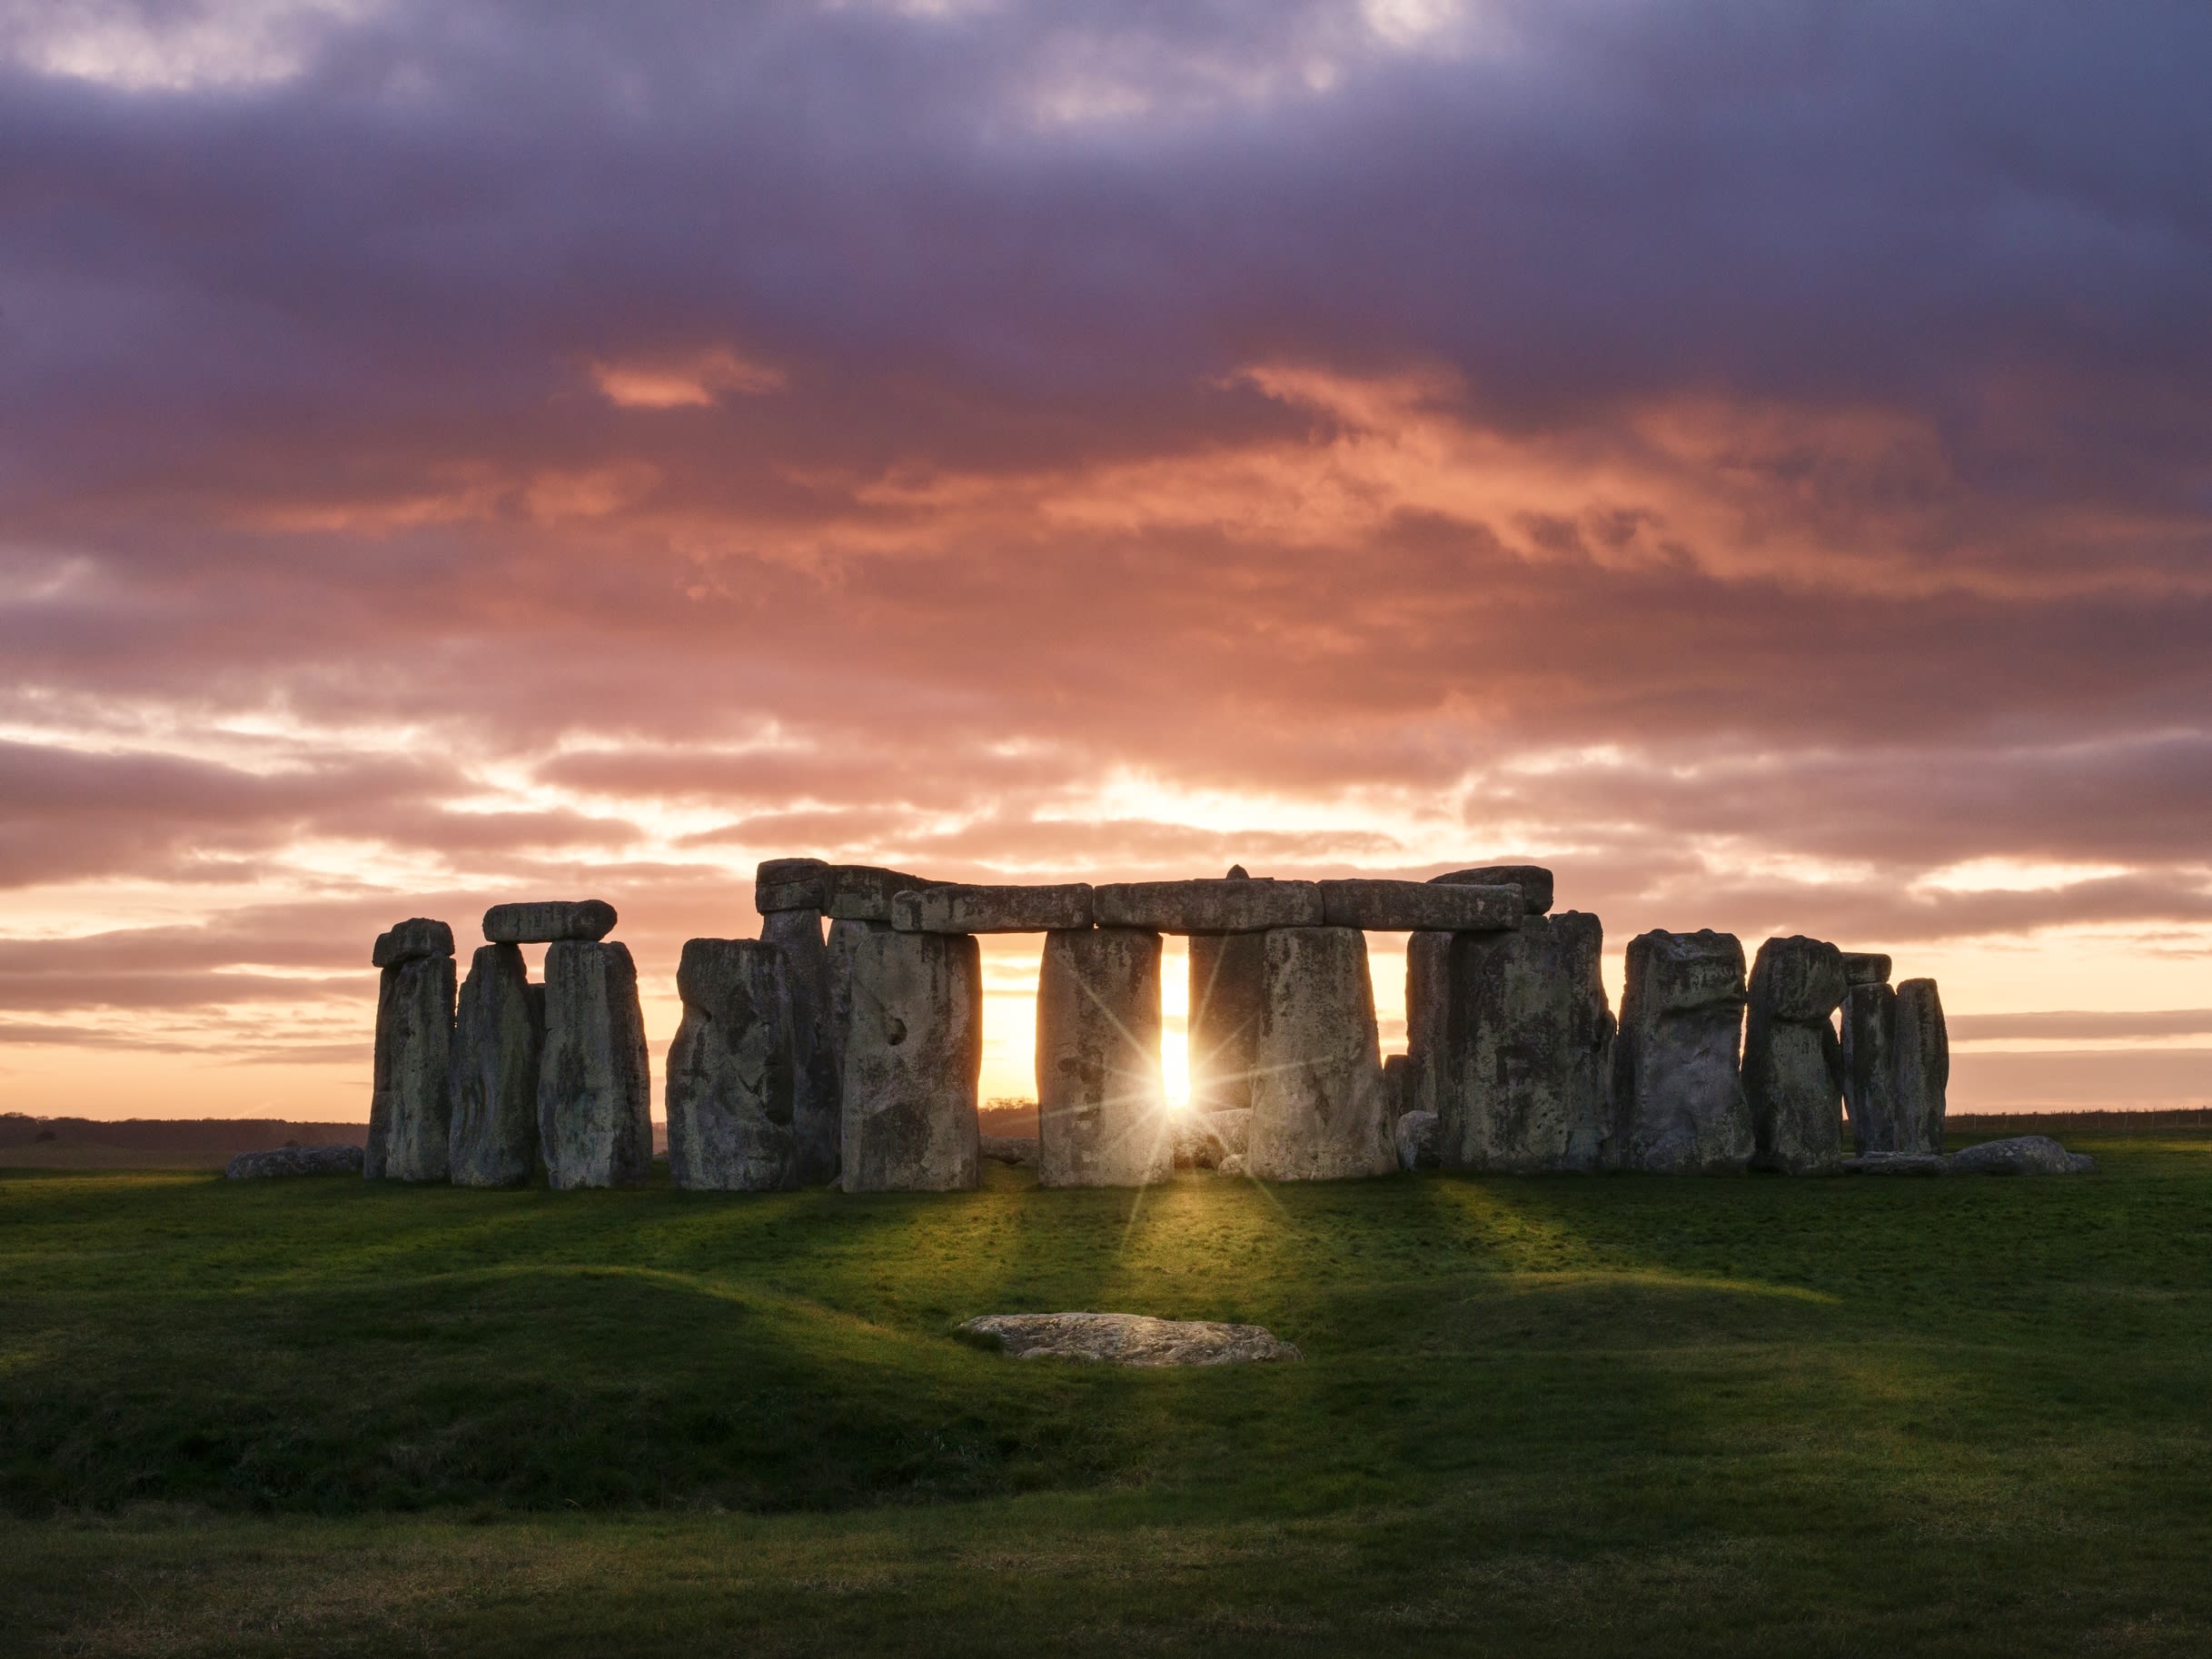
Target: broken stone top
[(1676, 972), (1533, 881), (954, 909), (1865, 968), (412, 940), (1799, 979), (548, 921)]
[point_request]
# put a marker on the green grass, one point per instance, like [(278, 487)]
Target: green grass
[(1623, 1416)]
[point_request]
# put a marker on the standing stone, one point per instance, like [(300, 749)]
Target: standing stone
[(1923, 1066), (1678, 1096), (1792, 1063), (1228, 984), (733, 1069), (496, 1039), (817, 1114), (411, 1109), (844, 938), (594, 1088), (1870, 1068), (1428, 1009), (913, 1057), (1320, 1109), (1521, 1067), (1102, 1105)]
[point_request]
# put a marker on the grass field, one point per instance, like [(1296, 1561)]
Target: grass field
[(1616, 1416)]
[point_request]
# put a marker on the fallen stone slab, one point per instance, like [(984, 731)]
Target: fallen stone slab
[(864, 892), (410, 1101), (547, 921), (1792, 1063), (1533, 881), (1016, 1151), (817, 1108), (1101, 1101), (1897, 1163), (1414, 907), (1865, 968), (499, 1032), (411, 940), (595, 1119), (282, 1161), (1678, 1091), (733, 1069), (791, 884), (913, 1055), (1320, 1109), (1415, 1135), (1228, 975), (959, 909), (1129, 1340), (1227, 906), (2020, 1155)]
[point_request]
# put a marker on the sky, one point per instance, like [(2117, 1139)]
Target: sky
[(1751, 457)]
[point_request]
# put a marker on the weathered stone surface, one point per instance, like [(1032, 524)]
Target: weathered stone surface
[(1678, 1096), (1228, 984), (1792, 1063), (1129, 1340), (410, 940), (497, 1035), (1016, 1151), (1865, 968), (1319, 1106), (1102, 1107), (1399, 1083), (410, 1110), (1232, 1164), (1228, 905), (913, 1055), (732, 1095), (843, 940), (1897, 1163), (1870, 1068), (1415, 1139), (1205, 1140), (2020, 1155), (1520, 1066), (1405, 907), (282, 1161), (791, 884), (864, 892), (818, 1116), (544, 921), (956, 908), (1533, 881), (595, 1124), (1923, 1066), (1428, 1009)]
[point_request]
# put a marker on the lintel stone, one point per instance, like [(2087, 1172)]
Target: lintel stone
[(863, 892), (406, 941), (549, 921), (954, 908), (1239, 906), (1533, 881), (1419, 906)]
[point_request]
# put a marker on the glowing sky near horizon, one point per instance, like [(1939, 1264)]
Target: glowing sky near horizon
[(1751, 459)]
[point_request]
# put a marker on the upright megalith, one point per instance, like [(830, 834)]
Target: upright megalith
[(733, 1080), (1792, 1063), (409, 1103), (1521, 1066), (544, 921), (1870, 1068), (1320, 1107), (912, 1054), (1427, 965), (497, 1035), (1228, 985), (818, 1113), (1923, 1066), (595, 1118), (1102, 1105), (1678, 1096)]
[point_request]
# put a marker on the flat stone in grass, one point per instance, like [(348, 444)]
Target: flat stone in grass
[(293, 1160), (1897, 1163), (1129, 1340), (2021, 1155)]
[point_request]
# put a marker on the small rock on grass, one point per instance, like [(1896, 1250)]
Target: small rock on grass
[(293, 1160), (2021, 1155), (1128, 1339)]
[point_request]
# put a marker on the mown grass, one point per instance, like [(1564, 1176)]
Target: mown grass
[(1615, 1416)]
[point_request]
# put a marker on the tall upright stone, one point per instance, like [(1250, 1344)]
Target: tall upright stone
[(1228, 973), (1523, 1065), (733, 1082), (1428, 1003), (1792, 1063), (497, 1036), (410, 1103), (1870, 1068), (818, 1115), (1678, 1094), (913, 1057), (1102, 1104), (1319, 1108), (844, 939), (1923, 1066), (595, 1117)]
